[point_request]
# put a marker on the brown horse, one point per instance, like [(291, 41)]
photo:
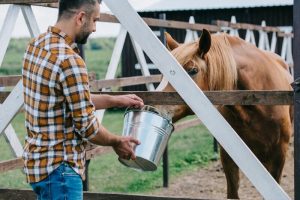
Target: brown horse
[(223, 62)]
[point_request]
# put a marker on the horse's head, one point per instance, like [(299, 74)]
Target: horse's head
[(191, 56), (208, 61)]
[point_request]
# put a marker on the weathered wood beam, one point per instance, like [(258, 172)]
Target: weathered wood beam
[(216, 97), (186, 124), (245, 26), (11, 164), (282, 34), (165, 23), (11, 80), (16, 194), (96, 85), (97, 150)]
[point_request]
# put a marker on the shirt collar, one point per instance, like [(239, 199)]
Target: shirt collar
[(66, 37)]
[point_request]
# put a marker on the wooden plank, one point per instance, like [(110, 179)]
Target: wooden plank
[(180, 25), (99, 150), (7, 29), (115, 196), (11, 164), (143, 63), (108, 18), (216, 97), (11, 106), (16, 194), (18, 162), (113, 65), (13, 141), (186, 124), (96, 85), (116, 54), (26, 1), (282, 34), (245, 26), (30, 20), (164, 23), (11, 80)]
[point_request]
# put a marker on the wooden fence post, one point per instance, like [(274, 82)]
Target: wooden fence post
[(165, 155)]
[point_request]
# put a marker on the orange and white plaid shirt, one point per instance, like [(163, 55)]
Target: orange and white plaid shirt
[(59, 114)]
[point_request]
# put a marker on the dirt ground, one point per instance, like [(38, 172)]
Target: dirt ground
[(210, 183)]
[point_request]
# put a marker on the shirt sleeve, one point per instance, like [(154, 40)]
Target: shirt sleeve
[(75, 85)]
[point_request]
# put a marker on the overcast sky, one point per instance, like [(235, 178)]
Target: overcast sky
[(48, 16)]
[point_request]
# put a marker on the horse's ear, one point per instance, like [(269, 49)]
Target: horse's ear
[(204, 43), (171, 43)]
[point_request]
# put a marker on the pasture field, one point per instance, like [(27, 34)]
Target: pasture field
[(97, 53), (189, 150)]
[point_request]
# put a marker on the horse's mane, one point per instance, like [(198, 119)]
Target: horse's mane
[(220, 67)]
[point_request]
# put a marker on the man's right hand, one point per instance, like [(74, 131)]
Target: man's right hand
[(124, 147)]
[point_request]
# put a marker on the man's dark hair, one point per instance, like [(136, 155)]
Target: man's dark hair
[(68, 7)]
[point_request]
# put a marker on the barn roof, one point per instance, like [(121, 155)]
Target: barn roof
[(174, 5)]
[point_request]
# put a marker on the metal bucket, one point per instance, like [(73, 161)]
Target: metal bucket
[(153, 130)]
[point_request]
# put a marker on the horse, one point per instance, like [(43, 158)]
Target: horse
[(223, 62)]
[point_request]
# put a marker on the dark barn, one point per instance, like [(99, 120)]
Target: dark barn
[(274, 12)]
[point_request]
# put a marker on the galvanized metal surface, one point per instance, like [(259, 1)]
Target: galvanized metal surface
[(153, 131)]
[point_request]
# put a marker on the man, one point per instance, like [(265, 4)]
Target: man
[(59, 109)]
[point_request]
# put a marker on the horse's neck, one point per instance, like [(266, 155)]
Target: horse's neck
[(257, 69)]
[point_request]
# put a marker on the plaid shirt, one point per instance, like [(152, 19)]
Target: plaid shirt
[(58, 109)]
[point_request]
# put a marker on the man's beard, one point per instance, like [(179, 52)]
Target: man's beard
[(82, 37)]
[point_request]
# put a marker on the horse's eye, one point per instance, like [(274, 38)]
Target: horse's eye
[(193, 71)]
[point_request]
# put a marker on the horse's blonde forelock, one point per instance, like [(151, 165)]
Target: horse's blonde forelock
[(185, 52), (221, 66)]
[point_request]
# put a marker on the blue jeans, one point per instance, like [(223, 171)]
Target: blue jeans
[(63, 183)]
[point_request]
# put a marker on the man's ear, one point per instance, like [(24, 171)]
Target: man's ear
[(171, 43), (204, 43), (80, 18)]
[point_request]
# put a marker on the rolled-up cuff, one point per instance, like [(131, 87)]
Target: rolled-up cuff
[(91, 130)]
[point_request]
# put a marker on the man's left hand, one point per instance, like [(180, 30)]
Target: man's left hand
[(129, 100)]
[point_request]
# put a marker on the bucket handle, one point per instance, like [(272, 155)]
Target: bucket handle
[(145, 108), (150, 109)]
